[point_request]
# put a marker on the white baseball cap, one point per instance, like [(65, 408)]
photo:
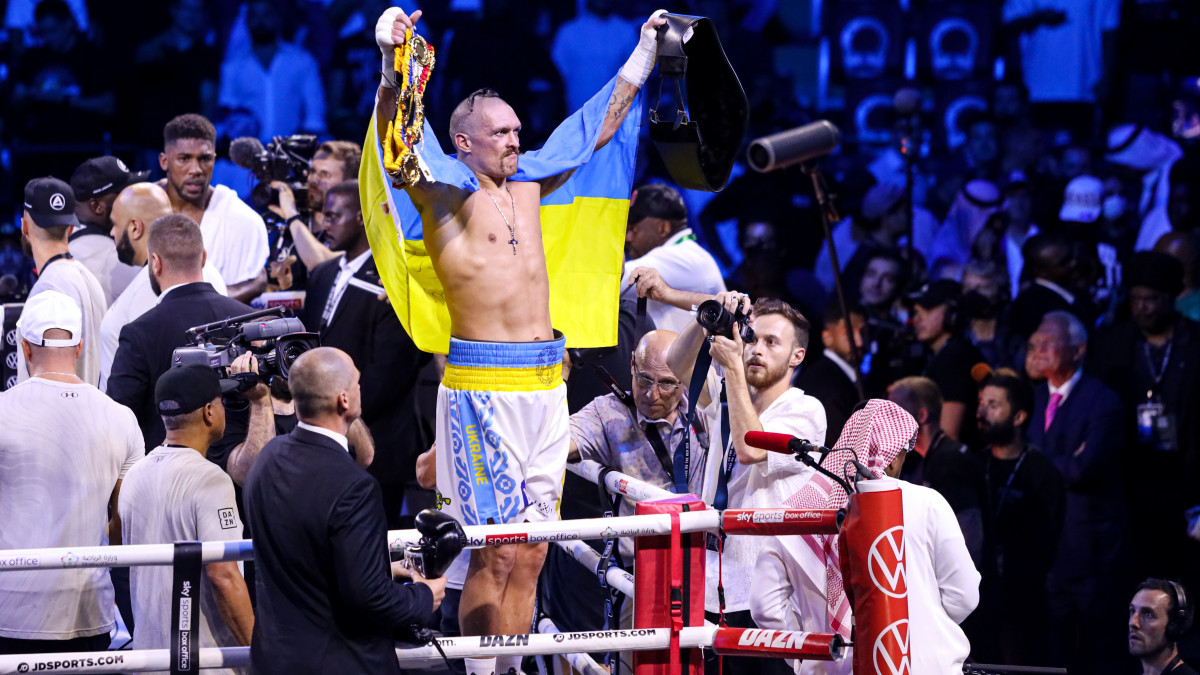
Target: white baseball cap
[(46, 311), (1083, 200)]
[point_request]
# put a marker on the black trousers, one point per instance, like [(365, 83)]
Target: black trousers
[(91, 643)]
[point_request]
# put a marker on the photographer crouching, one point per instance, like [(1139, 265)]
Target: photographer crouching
[(754, 351)]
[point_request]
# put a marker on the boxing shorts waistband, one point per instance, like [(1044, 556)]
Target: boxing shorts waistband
[(478, 365)]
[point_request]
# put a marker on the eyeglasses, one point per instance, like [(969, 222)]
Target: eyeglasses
[(666, 388)]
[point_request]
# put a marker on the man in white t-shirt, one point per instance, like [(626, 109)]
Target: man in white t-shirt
[(659, 239), (1065, 46), (45, 224), (178, 495), (135, 209), (96, 184), (235, 237), (755, 380), (64, 449)]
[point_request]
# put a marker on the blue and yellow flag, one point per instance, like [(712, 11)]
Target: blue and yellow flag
[(583, 226)]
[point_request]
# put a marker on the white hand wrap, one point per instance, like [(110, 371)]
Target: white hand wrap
[(641, 61), (383, 38)]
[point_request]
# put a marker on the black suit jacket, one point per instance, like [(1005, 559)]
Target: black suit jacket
[(326, 600), (145, 346), (822, 379), (1036, 301), (1084, 444), (369, 331)]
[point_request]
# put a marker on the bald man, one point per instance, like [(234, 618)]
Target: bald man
[(132, 212), (325, 593)]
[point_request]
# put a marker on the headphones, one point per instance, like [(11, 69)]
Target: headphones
[(954, 321), (1179, 620)]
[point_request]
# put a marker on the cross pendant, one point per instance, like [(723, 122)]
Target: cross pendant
[(513, 241)]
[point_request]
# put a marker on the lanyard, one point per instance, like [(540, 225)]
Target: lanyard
[(721, 498), (1159, 374), (60, 256), (987, 476)]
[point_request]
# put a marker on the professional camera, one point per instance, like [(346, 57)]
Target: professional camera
[(286, 158), (216, 345), (714, 318)]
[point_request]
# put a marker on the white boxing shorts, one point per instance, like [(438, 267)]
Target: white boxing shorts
[(502, 431)]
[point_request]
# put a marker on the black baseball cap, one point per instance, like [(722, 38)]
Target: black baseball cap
[(50, 202), (184, 389), (936, 293), (101, 176)]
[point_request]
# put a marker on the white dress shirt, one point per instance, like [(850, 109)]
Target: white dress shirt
[(328, 433), (683, 265)]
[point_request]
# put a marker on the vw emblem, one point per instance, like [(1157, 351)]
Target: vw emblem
[(11, 360), (57, 201), (885, 562), (890, 653), (11, 337)]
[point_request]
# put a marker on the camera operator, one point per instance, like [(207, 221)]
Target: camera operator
[(334, 162), (755, 352), (144, 349)]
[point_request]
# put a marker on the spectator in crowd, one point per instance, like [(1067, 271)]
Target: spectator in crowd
[(830, 377), (326, 598), (45, 225), (61, 91), (177, 69), (1183, 247), (985, 297), (333, 163), (973, 208), (343, 307), (234, 235), (96, 184), (1076, 422), (892, 351), (1152, 155), (589, 47), (1023, 511), (1066, 52), (276, 79), (1152, 360), (176, 259), (796, 588), (1050, 268), (940, 462), (1019, 227), (1183, 209), (880, 225), (981, 150), (1082, 205), (351, 76), (63, 453), (659, 238), (939, 324), (756, 380), (1159, 616), (178, 496), (134, 210)]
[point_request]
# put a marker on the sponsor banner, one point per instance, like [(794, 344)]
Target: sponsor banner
[(875, 575), (101, 663), (20, 562), (781, 521), (778, 643)]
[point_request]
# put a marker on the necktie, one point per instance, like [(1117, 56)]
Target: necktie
[(1052, 409)]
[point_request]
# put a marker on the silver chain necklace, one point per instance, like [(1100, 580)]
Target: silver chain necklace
[(51, 372), (511, 230)]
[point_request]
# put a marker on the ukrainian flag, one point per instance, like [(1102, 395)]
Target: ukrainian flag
[(583, 226)]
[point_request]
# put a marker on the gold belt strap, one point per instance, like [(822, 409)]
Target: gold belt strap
[(414, 63)]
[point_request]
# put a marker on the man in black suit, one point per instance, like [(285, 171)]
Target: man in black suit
[(1076, 422), (829, 377), (1051, 270), (343, 306), (177, 256), (326, 599)]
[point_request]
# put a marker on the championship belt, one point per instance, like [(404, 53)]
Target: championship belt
[(414, 62)]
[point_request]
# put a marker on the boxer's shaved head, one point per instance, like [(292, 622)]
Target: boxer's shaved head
[(317, 378), (460, 118)]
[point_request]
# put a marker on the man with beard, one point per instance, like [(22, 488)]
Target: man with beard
[(755, 379), (46, 221), (96, 183), (134, 209), (176, 259), (1152, 360), (334, 162), (1023, 511), (235, 237), (1159, 615)]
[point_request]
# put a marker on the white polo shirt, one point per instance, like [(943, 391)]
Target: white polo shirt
[(175, 494), (63, 447), (684, 265)]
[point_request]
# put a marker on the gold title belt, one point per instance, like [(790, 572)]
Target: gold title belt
[(414, 63)]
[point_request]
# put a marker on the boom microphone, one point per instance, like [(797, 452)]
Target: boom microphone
[(782, 443), (793, 146), (247, 152)]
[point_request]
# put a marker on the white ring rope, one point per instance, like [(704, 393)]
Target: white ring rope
[(579, 661), (619, 483), (587, 556)]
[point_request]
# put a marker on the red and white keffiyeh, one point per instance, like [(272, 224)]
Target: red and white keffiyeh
[(874, 435)]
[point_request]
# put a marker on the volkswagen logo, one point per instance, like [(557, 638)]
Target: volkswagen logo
[(890, 654), (885, 562)]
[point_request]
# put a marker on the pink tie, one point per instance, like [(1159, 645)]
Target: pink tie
[(1052, 409)]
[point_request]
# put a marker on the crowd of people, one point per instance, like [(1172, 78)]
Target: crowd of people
[(1029, 308)]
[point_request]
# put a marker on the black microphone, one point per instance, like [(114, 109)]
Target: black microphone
[(248, 152), (793, 146), (907, 101)]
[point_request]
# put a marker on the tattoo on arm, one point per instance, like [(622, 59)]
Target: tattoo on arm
[(619, 105)]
